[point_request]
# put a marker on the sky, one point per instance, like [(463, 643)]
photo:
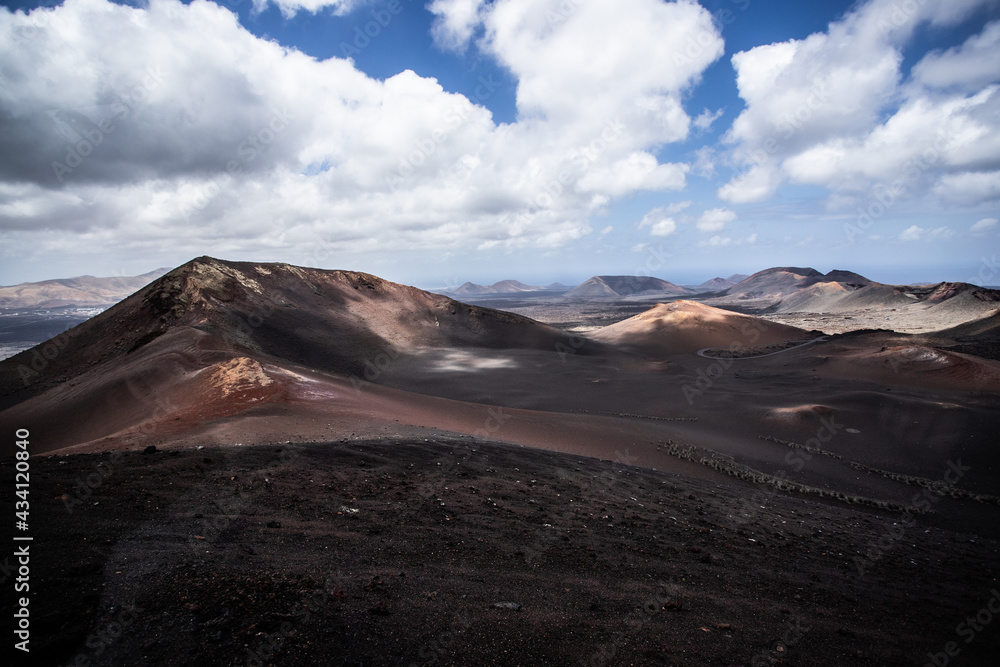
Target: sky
[(433, 142)]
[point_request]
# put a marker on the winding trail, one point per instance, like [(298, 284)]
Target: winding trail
[(701, 352)]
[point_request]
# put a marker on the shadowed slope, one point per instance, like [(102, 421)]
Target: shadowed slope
[(157, 356), (330, 320)]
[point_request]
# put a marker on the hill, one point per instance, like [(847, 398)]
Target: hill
[(212, 337), (713, 285), (773, 284), (625, 286), (687, 326), (80, 291), (502, 287)]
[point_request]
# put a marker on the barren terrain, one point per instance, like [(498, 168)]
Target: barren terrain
[(447, 483)]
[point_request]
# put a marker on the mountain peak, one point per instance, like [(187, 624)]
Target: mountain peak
[(620, 286)]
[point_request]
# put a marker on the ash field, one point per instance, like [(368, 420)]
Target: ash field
[(266, 464)]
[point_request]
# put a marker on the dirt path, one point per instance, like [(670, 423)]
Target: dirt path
[(703, 352)]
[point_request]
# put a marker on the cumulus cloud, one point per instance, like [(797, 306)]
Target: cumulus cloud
[(173, 124), (705, 119), (543, 42), (915, 233), (970, 187), (658, 222), (677, 206), (715, 220), (836, 110), (970, 66), (291, 7), (719, 241), (455, 22)]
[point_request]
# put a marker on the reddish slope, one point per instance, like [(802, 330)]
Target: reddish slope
[(330, 320), (157, 357)]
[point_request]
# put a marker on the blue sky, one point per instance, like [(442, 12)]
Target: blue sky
[(438, 141)]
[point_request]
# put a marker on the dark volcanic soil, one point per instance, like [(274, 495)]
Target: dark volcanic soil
[(408, 552)]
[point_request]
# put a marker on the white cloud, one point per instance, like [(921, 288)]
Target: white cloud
[(754, 185), (719, 241), (607, 230), (915, 233), (834, 109), (971, 66), (658, 222), (213, 137), (704, 164), (455, 22), (638, 171), (676, 207), (715, 220), (544, 42), (970, 188), (984, 225), (706, 118), (291, 7)]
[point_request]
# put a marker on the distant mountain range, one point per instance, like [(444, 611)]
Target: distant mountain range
[(600, 287), (505, 287), (794, 289), (624, 286), (719, 284), (781, 282), (80, 291), (214, 340)]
